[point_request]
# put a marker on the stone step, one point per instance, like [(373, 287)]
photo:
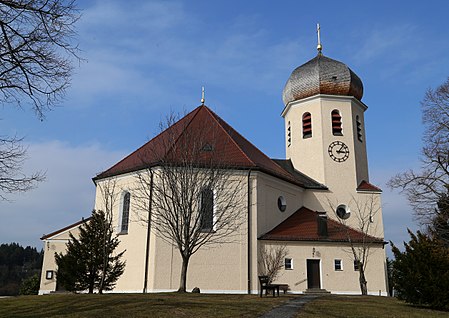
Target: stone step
[(316, 291)]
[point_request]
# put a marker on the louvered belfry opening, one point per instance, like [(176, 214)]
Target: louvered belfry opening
[(306, 125), (359, 128), (289, 135), (337, 129)]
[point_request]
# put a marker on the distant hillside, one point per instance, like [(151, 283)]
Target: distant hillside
[(16, 264)]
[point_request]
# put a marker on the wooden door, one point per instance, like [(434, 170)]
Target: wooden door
[(313, 273)]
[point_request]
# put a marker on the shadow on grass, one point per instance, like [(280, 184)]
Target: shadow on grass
[(138, 305)]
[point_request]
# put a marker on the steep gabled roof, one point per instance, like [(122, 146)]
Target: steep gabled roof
[(232, 149), (365, 186), (308, 182), (67, 228), (303, 226)]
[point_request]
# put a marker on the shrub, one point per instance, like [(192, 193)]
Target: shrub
[(421, 272)]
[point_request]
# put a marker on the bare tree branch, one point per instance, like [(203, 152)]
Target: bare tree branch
[(271, 261), (427, 186), (197, 197), (364, 212), (36, 51), (12, 157)]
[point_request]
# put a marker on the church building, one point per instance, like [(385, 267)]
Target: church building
[(317, 203)]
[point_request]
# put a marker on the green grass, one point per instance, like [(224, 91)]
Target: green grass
[(366, 307), (138, 305)]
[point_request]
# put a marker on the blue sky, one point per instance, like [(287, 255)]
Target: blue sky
[(145, 59)]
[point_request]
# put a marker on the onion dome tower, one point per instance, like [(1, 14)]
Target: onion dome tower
[(324, 120)]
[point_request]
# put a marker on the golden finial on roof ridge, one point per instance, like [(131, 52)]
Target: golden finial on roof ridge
[(319, 47), (202, 96)]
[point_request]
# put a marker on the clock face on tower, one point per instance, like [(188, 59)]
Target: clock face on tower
[(338, 151)]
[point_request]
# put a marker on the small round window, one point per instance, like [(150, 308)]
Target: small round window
[(282, 204), (343, 212)]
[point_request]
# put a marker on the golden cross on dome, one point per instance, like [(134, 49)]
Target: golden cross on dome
[(202, 95), (319, 47)]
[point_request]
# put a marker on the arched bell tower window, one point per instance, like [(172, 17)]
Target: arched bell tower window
[(337, 129), (306, 125), (289, 135), (358, 124)]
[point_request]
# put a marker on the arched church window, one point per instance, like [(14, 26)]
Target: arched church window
[(207, 209), (306, 125), (125, 213), (289, 135), (337, 129), (359, 128)]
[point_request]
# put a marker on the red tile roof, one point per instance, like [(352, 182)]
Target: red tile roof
[(83, 220), (303, 226), (229, 148), (368, 187)]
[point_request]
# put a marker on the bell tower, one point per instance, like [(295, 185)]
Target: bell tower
[(324, 123)]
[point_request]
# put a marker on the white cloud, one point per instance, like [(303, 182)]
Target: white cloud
[(145, 51), (67, 194)]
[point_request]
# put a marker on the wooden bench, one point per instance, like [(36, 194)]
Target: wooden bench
[(284, 287), (264, 285)]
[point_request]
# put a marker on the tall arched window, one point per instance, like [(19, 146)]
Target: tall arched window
[(306, 125), (337, 129), (125, 213), (207, 209), (358, 124)]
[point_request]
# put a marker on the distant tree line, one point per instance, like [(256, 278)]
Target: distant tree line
[(18, 264)]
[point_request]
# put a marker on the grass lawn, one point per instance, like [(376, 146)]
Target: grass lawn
[(366, 307), (202, 305), (138, 305)]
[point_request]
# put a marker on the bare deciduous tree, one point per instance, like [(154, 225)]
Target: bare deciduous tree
[(271, 261), (36, 36), (196, 199), (426, 187), (12, 156), (108, 190), (36, 48), (360, 244)]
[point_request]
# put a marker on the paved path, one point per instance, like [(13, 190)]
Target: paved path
[(290, 308)]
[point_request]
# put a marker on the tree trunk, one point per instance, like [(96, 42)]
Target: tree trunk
[(363, 282), (183, 281)]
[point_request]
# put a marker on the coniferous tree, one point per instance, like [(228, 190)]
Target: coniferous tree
[(421, 272), (90, 256), (16, 265), (439, 227)]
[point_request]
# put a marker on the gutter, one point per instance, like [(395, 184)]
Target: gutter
[(249, 232), (147, 249)]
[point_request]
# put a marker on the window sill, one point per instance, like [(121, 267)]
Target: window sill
[(207, 231), (122, 233)]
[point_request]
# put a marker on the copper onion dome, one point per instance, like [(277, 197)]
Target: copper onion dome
[(322, 75)]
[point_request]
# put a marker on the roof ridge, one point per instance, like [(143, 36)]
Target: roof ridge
[(354, 229), (145, 144), (230, 137), (195, 113)]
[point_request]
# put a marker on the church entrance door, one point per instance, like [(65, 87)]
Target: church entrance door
[(313, 274)]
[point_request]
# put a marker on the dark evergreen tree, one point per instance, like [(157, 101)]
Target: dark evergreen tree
[(30, 286), (90, 258), (421, 272), (439, 227)]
